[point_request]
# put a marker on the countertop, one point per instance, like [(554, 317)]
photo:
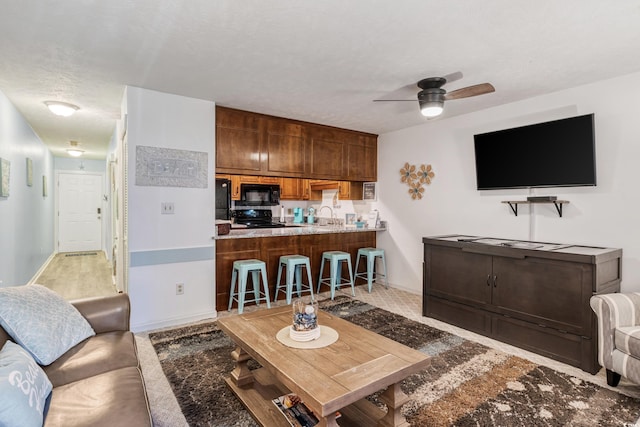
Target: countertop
[(291, 230)]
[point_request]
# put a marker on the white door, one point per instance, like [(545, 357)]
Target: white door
[(79, 215)]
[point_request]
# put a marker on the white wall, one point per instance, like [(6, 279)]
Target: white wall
[(169, 249), (605, 215), (26, 217)]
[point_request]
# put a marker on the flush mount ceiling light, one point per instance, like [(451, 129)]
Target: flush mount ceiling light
[(61, 108), (74, 150)]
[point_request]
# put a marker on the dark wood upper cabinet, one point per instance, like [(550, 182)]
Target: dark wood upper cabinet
[(257, 144), (240, 135), (362, 159), (286, 148), (327, 152)]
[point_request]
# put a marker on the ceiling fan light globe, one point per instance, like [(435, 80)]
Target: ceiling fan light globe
[(431, 110), (431, 102)]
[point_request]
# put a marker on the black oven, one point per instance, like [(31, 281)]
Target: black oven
[(259, 195)]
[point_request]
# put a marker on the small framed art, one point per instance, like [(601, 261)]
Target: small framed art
[(349, 219), (369, 191), (5, 174), (29, 172)]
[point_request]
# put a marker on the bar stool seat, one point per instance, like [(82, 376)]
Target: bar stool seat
[(241, 270), (335, 279), (294, 264), (371, 274)]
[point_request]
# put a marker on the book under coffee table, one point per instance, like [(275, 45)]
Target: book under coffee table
[(334, 378)]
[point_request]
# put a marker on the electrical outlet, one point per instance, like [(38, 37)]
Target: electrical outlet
[(179, 288), (166, 208)]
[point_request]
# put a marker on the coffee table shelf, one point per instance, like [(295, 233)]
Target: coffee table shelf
[(257, 399)]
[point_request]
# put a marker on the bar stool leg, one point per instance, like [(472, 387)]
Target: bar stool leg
[(335, 268), (320, 276), (275, 296), (353, 289), (290, 274), (265, 285), (242, 288), (355, 270), (371, 263), (234, 276), (308, 267), (299, 279), (255, 278)]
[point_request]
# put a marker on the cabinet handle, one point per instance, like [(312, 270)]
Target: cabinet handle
[(488, 280), (495, 281)]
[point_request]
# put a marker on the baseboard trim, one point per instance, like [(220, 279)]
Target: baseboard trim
[(36, 276), (403, 288), (174, 322)]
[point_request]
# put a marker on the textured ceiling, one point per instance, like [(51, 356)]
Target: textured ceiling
[(321, 61)]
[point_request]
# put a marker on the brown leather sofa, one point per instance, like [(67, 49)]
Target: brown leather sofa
[(98, 382)]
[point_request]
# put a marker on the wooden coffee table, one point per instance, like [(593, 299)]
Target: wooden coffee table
[(329, 379)]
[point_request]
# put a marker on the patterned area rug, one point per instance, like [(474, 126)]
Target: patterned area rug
[(467, 384)]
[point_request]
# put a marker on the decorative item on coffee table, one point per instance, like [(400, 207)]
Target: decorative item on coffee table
[(305, 321)]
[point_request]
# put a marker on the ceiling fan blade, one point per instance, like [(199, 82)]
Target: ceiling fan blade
[(450, 78), (395, 100), (406, 91), (469, 91)]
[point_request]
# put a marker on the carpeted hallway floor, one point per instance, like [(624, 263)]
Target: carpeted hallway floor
[(76, 275)]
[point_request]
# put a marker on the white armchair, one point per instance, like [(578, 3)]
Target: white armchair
[(618, 335)]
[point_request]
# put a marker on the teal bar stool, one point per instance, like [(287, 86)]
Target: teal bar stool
[(335, 279), (241, 270), (371, 274), (294, 264)]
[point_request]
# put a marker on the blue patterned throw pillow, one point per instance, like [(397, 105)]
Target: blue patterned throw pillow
[(41, 321), (24, 388)]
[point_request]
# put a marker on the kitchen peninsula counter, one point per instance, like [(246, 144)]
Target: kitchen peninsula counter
[(291, 230), (269, 244)]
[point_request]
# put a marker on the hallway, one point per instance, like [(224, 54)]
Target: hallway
[(76, 275)]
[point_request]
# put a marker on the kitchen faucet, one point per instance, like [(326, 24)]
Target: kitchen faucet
[(330, 210)]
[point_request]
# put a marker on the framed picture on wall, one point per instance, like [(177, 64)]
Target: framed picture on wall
[(29, 172), (5, 169), (369, 191)]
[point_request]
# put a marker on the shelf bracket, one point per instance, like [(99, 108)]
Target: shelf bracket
[(558, 208), (513, 204)]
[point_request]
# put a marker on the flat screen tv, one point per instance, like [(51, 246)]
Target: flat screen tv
[(559, 153)]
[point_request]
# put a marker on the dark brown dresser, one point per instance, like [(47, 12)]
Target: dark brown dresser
[(532, 295)]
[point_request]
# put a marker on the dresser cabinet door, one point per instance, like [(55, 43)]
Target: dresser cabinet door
[(459, 276)]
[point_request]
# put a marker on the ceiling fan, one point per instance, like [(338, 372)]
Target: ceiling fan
[(431, 96)]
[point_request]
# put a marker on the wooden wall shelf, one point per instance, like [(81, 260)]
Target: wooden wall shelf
[(513, 204)]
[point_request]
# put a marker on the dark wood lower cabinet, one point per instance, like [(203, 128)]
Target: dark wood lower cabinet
[(270, 249), (534, 298)]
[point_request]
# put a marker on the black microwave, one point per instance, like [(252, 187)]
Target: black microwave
[(259, 195)]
